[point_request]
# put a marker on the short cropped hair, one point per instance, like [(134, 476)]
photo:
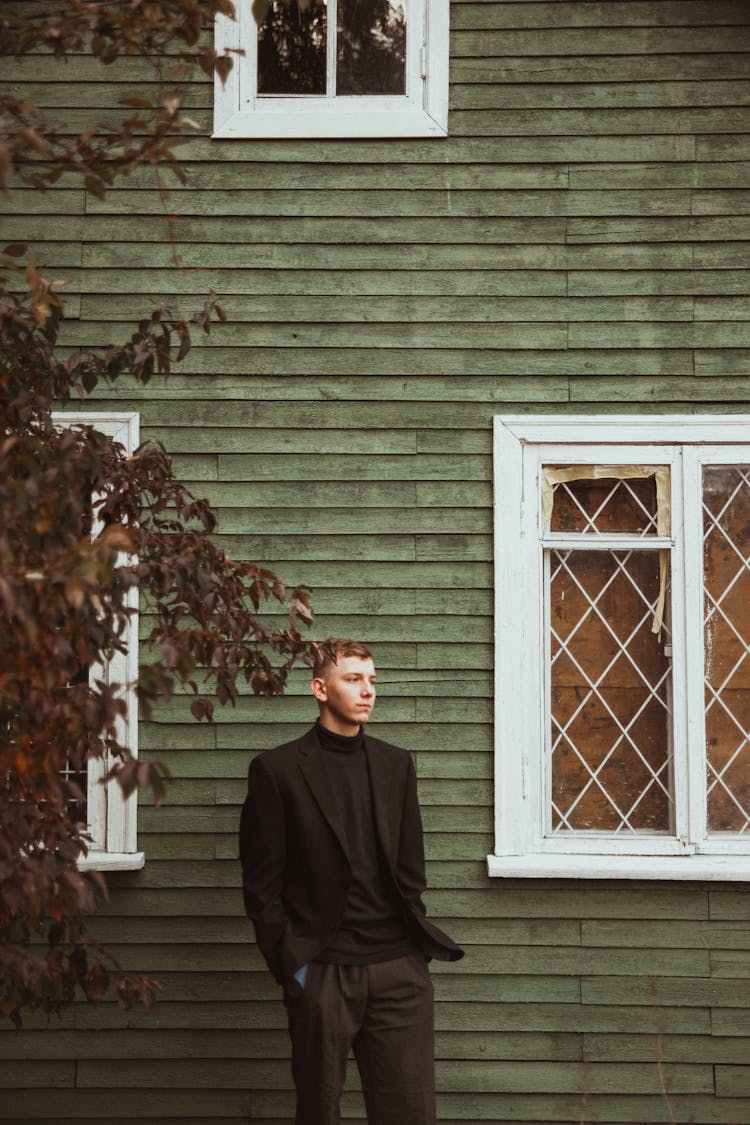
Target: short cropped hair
[(328, 652)]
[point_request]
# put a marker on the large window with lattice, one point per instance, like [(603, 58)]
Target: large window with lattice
[(622, 647)]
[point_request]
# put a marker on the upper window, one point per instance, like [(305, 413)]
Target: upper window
[(110, 819), (623, 647), (334, 68)]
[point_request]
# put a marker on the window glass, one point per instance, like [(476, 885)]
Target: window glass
[(605, 505), (75, 779), (610, 694), (292, 48), (370, 47), (726, 571)]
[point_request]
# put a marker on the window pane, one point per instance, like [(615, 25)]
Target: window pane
[(610, 694), (371, 47), (726, 558), (292, 48), (605, 505), (75, 780)]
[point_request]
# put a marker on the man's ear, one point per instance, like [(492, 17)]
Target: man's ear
[(318, 688)]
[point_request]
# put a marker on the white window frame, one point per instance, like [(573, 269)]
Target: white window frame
[(112, 819), (421, 112), (522, 444)]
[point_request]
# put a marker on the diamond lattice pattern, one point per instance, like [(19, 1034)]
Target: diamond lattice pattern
[(606, 504), (610, 704), (726, 576)]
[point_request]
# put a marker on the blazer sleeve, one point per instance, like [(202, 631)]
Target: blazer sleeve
[(263, 855), (410, 867)]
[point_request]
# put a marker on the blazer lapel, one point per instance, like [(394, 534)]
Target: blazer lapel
[(386, 815), (313, 768)]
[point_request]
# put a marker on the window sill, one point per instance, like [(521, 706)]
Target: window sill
[(714, 867), (295, 124), (112, 861)]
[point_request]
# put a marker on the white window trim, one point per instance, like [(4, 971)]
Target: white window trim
[(112, 818), (520, 445), (421, 112)]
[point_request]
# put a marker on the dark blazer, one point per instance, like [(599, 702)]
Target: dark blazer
[(295, 868)]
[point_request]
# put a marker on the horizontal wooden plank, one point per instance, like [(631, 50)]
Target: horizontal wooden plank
[(685, 389), (607, 40), (733, 1081), (271, 440), (671, 1047), (354, 467), (518, 124), (720, 174), (550, 94), (450, 314), (90, 1104), (485, 963), (491, 1076), (318, 282), (512, 899), (206, 792), (609, 123), (298, 230), (595, 15), (30, 202), (448, 203), (729, 361), (647, 229), (233, 764), (425, 736), (369, 494), (435, 374), (334, 415), (207, 174), (274, 1044), (730, 1022), (265, 255), (453, 1017), (695, 934), (600, 95), (710, 334), (692, 991), (732, 963), (212, 819), (48, 1074), (537, 150), (594, 283), (631, 68), (334, 335)]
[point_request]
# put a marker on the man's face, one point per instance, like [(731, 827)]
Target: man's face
[(346, 694)]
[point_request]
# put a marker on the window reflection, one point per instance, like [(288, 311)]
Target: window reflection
[(292, 48), (370, 47)]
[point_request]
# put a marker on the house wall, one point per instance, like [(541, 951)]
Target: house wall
[(578, 244)]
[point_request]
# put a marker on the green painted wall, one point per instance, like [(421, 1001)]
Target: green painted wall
[(579, 243)]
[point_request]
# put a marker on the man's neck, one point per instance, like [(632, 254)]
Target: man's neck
[(339, 726), (335, 743)]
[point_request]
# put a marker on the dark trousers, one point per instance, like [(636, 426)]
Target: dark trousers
[(385, 1013)]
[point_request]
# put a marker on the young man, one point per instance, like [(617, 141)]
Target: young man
[(333, 873)]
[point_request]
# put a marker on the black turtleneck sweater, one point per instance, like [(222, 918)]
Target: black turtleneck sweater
[(372, 927)]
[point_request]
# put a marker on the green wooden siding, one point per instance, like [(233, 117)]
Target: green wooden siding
[(579, 243)]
